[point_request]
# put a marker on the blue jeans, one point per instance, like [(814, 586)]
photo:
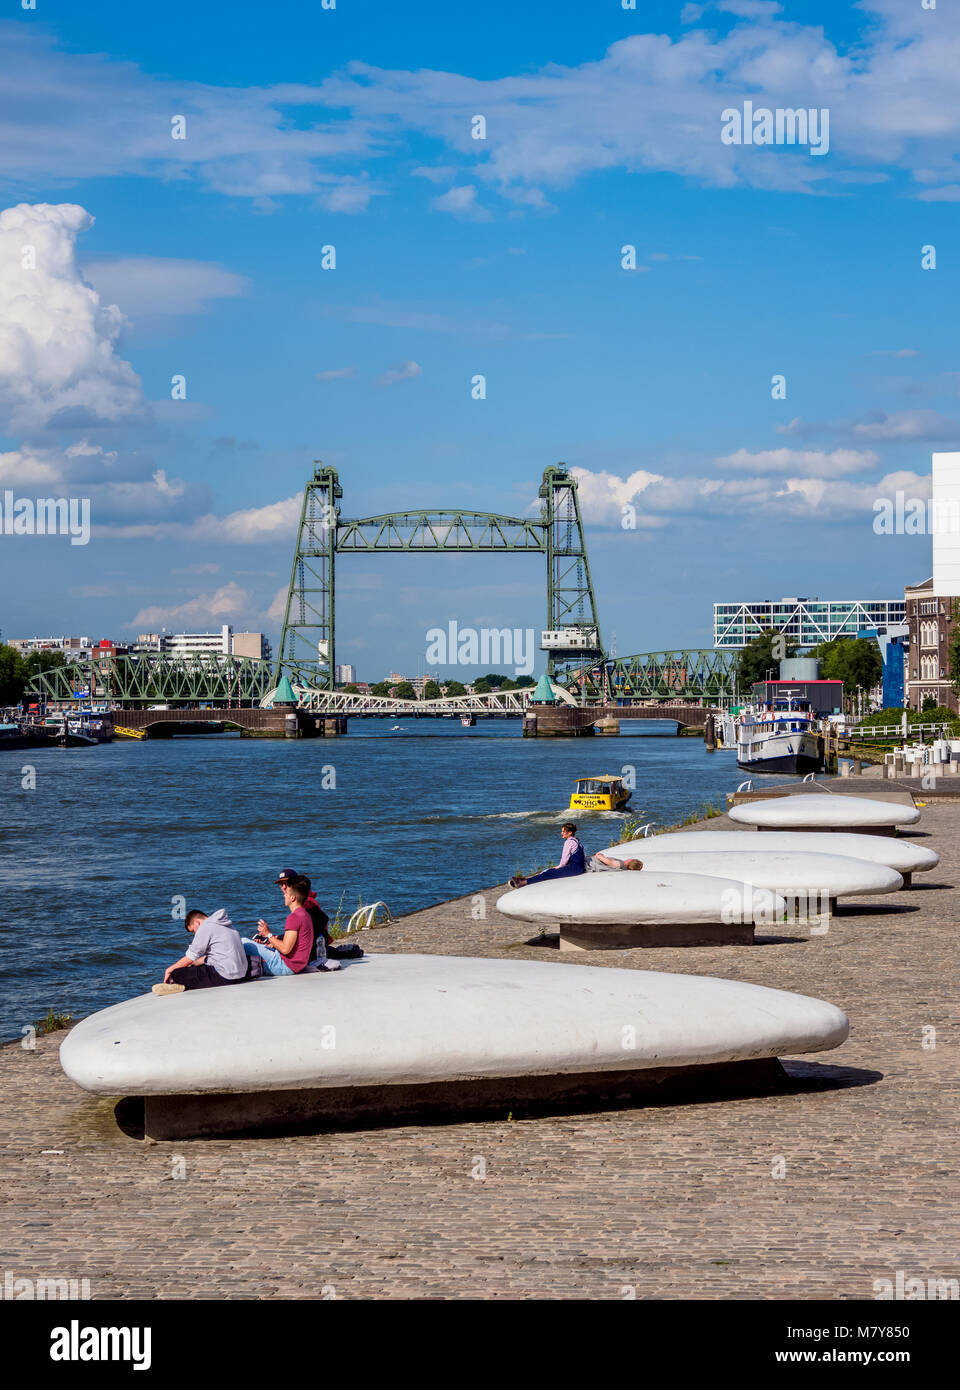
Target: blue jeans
[(273, 961), (568, 871)]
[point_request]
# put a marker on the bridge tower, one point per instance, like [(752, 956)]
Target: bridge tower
[(307, 644), (307, 652), (573, 628)]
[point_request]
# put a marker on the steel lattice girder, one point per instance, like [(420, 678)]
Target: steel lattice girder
[(439, 531), (148, 677), (708, 673)]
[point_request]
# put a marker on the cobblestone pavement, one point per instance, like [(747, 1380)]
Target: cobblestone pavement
[(672, 1201)]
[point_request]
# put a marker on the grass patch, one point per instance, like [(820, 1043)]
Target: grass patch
[(53, 1023)]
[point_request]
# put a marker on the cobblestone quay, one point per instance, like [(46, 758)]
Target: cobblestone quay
[(678, 1201)]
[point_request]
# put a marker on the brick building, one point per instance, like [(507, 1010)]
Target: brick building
[(930, 618)]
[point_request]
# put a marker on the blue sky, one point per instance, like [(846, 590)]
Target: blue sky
[(454, 257)]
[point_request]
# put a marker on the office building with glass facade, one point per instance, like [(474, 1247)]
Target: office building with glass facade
[(804, 622)]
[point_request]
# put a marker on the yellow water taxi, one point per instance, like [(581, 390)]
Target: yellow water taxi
[(604, 793)]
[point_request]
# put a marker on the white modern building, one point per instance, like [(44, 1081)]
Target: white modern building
[(345, 675), (803, 621)]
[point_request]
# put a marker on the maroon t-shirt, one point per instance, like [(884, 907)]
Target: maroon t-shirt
[(299, 921)]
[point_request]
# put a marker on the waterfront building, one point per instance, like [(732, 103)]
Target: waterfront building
[(931, 607), (72, 647), (803, 621), (190, 643)]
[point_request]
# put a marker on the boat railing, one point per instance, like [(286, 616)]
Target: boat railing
[(744, 787)]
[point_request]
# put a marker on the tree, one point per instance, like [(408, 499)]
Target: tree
[(351, 690), (381, 688), (35, 662), (761, 655), (953, 648), (404, 691), (432, 691), (482, 686), (853, 660), (929, 703), (523, 681), (13, 675), (454, 688)]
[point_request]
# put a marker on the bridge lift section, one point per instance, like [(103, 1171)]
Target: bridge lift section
[(307, 652)]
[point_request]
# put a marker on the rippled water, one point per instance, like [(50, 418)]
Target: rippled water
[(91, 860)]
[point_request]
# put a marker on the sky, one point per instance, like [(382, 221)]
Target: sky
[(131, 259)]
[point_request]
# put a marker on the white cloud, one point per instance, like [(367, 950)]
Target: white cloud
[(403, 371), (223, 605), (909, 425), (335, 373), (901, 426), (162, 285), (58, 364), (897, 352), (813, 462), (277, 521), (462, 202), (657, 498), (890, 91)]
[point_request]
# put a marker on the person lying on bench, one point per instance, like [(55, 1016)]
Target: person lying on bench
[(601, 863)]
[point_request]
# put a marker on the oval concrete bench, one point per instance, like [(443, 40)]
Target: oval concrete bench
[(669, 908), (213, 1058), (821, 811), (791, 874), (905, 856)]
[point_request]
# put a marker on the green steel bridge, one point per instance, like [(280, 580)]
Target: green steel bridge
[(235, 682), (572, 641)]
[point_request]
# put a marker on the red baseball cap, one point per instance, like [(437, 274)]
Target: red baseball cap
[(287, 876)]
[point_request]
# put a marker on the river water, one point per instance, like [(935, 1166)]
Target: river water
[(95, 858)]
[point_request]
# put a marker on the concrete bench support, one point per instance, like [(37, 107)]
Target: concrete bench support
[(202, 1116), (611, 937)]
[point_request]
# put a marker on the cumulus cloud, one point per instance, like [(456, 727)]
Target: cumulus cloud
[(813, 462), (151, 285), (462, 202), (223, 605), (403, 371), (58, 359), (277, 521), (657, 498), (890, 91)]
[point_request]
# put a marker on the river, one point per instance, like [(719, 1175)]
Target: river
[(95, 859)]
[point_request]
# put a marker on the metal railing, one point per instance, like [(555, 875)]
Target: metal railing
[(895, 730)]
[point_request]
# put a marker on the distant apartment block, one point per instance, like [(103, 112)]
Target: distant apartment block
[(345, 675), (70, 646), (803, 621), (226, 642), (251, 644)]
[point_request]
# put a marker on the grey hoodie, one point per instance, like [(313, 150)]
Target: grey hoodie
[(218, 939)]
